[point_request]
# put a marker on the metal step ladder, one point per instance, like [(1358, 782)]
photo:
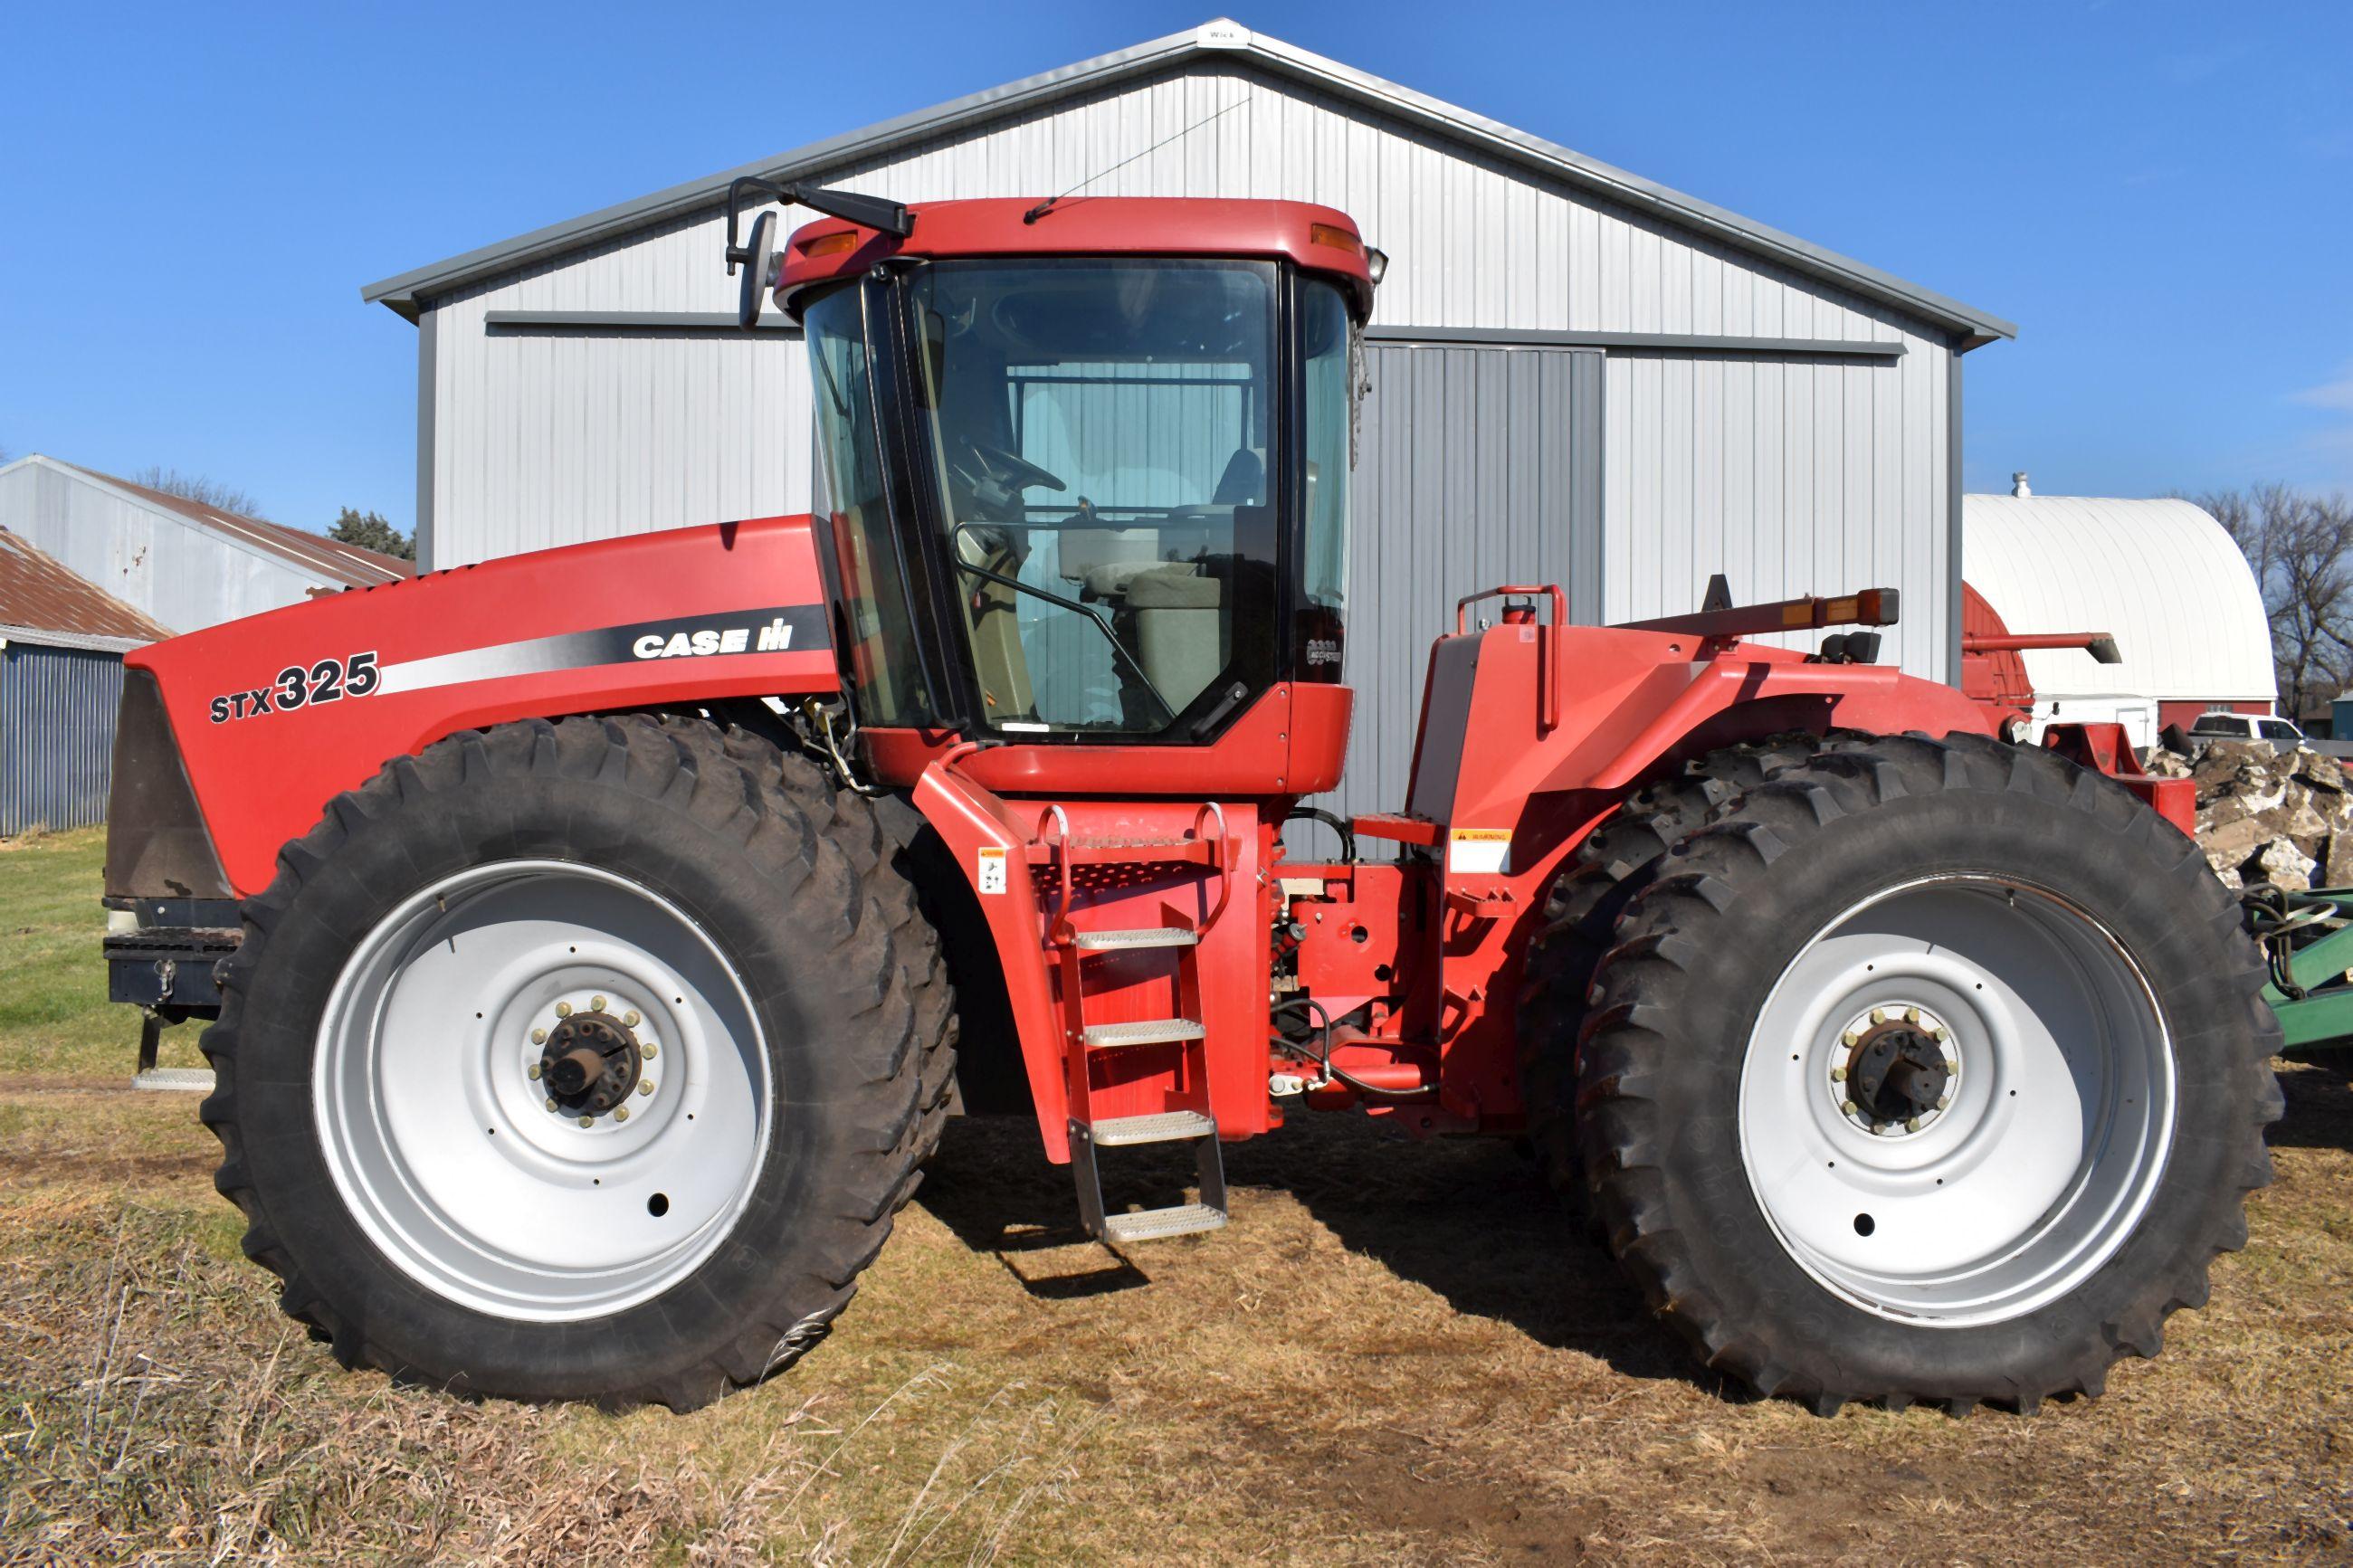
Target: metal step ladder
[(1083, 1040)]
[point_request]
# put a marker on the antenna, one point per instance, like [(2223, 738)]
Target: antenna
[(1050, 202)]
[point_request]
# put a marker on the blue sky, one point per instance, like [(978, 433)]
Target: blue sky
[(2160, 195)]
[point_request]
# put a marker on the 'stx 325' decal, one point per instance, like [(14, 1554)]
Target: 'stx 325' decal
[(303, 686)]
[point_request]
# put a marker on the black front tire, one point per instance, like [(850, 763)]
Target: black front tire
[(784, 887)]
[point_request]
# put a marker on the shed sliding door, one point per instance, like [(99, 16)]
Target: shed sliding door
[(1476, 467)]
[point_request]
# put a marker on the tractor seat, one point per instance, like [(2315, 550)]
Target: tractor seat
[(1178, 640), (1116, 579)]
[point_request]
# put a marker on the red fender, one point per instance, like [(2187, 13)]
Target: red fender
[(276, 714)]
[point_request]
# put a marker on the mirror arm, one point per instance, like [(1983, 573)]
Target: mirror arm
[(876, 213)]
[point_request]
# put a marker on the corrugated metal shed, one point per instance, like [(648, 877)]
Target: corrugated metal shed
[(1577, 371), (61, 647), (56, 735), (184, 565), (2159, 574)]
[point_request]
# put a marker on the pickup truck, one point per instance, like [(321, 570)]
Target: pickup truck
[(2282, 733)]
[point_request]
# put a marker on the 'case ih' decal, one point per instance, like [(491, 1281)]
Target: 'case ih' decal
[(774, 630)]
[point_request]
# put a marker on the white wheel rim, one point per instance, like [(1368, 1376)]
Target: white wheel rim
[(440, 1137), (2058, 1119)]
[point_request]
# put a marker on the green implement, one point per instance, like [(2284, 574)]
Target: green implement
[(2308, 940)]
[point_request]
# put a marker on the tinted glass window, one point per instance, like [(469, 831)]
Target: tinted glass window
[(2219, 724), (2279, 729), (880, 660), (1104, 433), (1330, 348)]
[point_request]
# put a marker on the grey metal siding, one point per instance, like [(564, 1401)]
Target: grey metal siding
[(1789, 472), (151, 558), (57, 735), (1478, 467), (1790, 476)]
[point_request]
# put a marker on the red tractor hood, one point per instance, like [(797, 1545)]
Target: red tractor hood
[(273, 716)]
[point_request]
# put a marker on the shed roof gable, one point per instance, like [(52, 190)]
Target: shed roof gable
[(412, 291)]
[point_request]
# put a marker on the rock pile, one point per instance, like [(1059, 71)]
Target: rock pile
[(2285, 818)]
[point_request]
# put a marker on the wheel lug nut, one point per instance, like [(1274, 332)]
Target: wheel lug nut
[(596, 1004), (645, 1086), (1911, 1015), (620, 1113), (587, 1121), (630, 1019), (1838, 1075), (1911, 1124), (551, 1104), (1944, 1102), (1850, 1037), (564, 1009), (532, 1072), (1848, 1106), (1879, 1015), (650, 1050), (539, 1036)]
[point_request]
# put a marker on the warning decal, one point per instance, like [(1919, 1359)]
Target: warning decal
[(991, 878), (1478, 851)]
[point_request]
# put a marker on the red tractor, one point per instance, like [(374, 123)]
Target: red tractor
[(602, 915)]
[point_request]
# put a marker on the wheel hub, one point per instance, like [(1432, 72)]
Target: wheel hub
[(455, 1026), (1897, 1072), (590, 1062)]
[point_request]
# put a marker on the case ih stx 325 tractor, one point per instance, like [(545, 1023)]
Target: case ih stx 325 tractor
[(591, 1015)]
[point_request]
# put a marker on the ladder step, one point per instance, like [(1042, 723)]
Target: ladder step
[(1125, 852), (1161, 1127), (196, 1080), (1128, 941), (1151, 1225), (1150, 1032)]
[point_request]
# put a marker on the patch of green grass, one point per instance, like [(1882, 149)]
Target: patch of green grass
[(55, 1020)]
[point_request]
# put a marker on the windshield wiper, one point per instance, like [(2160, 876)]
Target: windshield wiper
[(1096, 617)]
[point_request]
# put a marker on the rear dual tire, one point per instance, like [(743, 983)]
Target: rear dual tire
[(438, 1204), (2102, 1113)]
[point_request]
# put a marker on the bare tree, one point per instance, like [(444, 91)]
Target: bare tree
[(199, 490), (2301, 548)]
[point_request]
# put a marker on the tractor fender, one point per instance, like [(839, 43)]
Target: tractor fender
[(990, 844), (1711, 709), (274, 715)]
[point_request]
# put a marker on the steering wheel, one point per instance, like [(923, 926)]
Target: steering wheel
[(995, 476)]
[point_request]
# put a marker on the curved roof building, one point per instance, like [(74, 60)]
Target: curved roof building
[(2160, 575)]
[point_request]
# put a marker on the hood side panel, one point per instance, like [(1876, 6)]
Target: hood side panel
[(276, 714)]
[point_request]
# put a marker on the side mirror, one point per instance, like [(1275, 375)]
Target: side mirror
[(759, 262)]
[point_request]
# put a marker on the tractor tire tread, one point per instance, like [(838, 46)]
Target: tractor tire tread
[(775, 810), (1632, 1062)]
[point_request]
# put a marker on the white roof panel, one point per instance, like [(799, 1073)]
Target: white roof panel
[(2160, 575)]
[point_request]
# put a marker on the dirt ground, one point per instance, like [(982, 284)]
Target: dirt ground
[(1399, 1352)]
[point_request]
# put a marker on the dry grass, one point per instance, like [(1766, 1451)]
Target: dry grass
[(1397, 1354)]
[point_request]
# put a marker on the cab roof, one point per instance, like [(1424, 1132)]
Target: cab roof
[(1317, 238)]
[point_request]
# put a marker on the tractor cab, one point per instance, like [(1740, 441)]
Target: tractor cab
[(1088, 465)]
